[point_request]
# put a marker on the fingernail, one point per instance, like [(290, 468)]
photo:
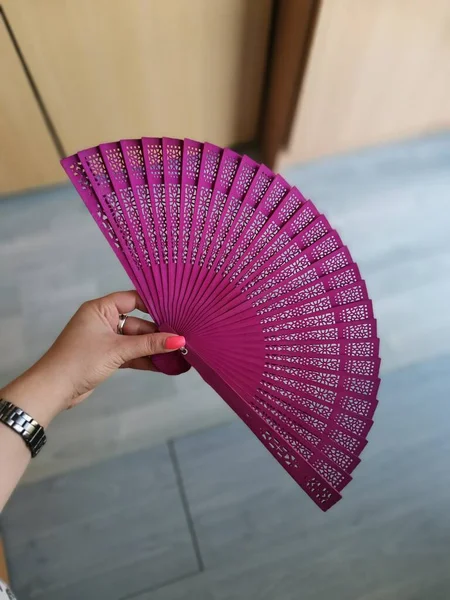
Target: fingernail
[(175, 342)]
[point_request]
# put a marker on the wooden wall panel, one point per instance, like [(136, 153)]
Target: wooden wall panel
[(294, 26), (108, 69), (378, 71), (28, 157)]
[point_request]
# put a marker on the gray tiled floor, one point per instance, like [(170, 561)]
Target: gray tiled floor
[(107, 531), (387, 539), (122, 527), (52, 258), (390, 205), (258, 536)]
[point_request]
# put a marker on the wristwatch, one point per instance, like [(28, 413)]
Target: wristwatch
[(29, 430)]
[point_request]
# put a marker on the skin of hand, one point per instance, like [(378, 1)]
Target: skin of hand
[(88, 351)]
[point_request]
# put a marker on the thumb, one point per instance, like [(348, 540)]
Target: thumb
[(135, 346)]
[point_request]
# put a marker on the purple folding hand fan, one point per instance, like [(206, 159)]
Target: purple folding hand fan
[(276, 317)]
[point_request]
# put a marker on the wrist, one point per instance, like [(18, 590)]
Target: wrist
[(38, 393)]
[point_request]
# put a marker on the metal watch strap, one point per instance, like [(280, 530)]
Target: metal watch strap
[(30, 431)]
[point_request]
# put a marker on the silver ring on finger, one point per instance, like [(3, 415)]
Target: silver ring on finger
[(121, 325)]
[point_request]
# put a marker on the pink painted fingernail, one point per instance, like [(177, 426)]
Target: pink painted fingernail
[(175, 342)]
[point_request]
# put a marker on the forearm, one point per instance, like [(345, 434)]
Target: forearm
[(88, 351), (31, 392)]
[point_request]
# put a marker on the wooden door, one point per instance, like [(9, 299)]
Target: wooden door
[(109, 69), (378, 71), (28, 156), (294, 23)]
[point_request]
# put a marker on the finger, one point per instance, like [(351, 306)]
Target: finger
[(136, 346), (126, 302), (136, 326), (140, 364)]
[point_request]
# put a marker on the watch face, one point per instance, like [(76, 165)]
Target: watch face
[(5, 592)]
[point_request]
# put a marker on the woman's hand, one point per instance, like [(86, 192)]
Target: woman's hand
[(88, 351)]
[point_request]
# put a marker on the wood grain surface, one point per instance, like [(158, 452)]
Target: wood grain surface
[(111, 69), (28, 157), (377, 72)]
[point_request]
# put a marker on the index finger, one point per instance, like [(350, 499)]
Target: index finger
[(126, 302)]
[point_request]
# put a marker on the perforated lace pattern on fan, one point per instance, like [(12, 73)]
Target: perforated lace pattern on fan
[(276, 316)]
